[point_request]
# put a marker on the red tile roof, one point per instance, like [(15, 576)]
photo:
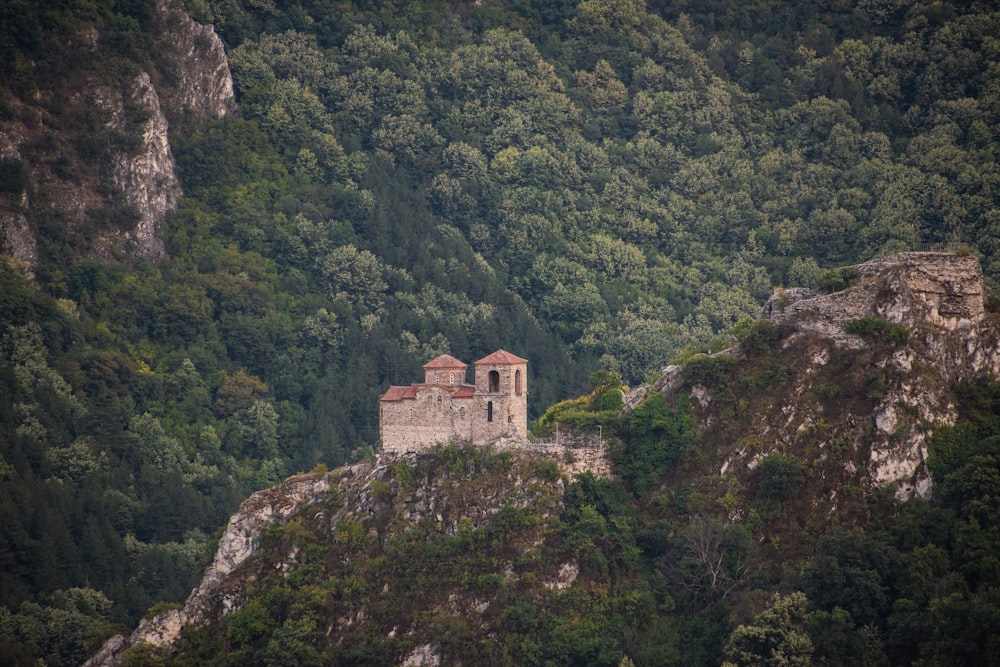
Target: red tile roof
[(445, 361), (399, 393), (502, 357), (395, 393)]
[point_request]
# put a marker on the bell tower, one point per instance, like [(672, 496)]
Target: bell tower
[(502, 389)]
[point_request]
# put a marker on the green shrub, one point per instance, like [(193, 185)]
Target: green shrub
[(657, 435), (758, 337), (14, 176), (548, 470), (876, 383), (601, 407), (711, 372), (835, 280), (162, 607), (609, 399), (991, 301), (876, 327), (381, 490), (779, 475)]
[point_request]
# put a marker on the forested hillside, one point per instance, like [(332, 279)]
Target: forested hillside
[(592, 185)]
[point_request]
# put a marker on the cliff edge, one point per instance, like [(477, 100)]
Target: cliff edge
[(89, 146), (856, 377)]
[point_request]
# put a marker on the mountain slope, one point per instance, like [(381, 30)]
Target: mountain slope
[(598, 184), (491, 557), (84, 140)]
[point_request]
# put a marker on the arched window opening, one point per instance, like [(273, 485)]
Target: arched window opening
[(494, 382), (517, 382), (489, 411), (451, 378)]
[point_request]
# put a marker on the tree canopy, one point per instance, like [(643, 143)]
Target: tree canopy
[(593, 185)]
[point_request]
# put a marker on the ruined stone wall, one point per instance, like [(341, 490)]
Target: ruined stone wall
[(937, 287), (913, 288), (574, 450)]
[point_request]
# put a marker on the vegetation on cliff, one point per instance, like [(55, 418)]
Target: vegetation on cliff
[(591, 184), (486, 557)]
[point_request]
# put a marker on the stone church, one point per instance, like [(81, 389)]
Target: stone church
[(444, 407)]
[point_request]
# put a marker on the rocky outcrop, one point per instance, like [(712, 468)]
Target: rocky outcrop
[(67, 183), (203, 84), (383, 503), (17, 239), (146, 177), (239, 542), (936, 299)]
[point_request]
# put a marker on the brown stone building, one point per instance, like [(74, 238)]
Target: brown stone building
[(443, 407)]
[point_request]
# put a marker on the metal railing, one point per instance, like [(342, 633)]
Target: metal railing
[(575, 438), (950, 246)]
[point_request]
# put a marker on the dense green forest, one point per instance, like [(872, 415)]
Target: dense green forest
[(587, 184)]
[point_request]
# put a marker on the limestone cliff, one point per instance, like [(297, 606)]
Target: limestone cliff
[(64, 171), (866, 402), (239, 541), (380, 501), (203, 84), (938, 297), (146, 177)]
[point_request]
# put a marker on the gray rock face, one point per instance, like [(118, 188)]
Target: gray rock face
[(18, 241), (938, 297), (192, 79), (204, 84), (148, 178), (240, 540)]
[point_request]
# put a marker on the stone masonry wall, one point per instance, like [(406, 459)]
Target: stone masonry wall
[(510, 410), (435, 417)]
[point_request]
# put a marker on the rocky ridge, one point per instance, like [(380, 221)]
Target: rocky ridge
[(938, 297), (239, 542), (375, 496), (193, 80), (204, 84)]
